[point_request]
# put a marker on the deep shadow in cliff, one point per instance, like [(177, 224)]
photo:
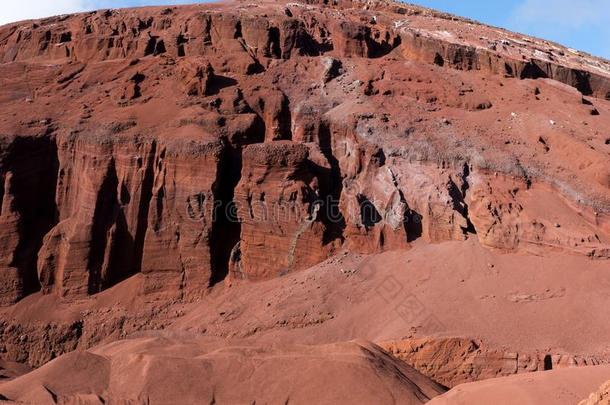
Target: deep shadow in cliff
[(331, 189), (33, 165), (226, 229)]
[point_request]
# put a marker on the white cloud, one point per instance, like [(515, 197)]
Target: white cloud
[(17, 10)]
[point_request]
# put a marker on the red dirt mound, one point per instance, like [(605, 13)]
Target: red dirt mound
[(558, 387), (163, 370)]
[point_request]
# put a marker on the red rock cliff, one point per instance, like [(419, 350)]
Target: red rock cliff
[(254, 139)]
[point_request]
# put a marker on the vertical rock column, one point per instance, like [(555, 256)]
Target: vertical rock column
[(278, 207), (177, 248)]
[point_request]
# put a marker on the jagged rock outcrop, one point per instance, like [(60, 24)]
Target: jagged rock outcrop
[(374, 124), (454, 361)]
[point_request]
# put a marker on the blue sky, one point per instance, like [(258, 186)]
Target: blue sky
[(581, 24)]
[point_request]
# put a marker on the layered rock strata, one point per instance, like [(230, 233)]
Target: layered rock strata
[(147, 141)]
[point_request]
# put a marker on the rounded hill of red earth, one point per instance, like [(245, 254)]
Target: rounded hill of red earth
[(307, 172), (187, 370)]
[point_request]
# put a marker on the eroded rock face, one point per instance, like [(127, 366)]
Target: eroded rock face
[(177, 250), (278, 202), (454, 361), (101, 196), (191, 143)]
